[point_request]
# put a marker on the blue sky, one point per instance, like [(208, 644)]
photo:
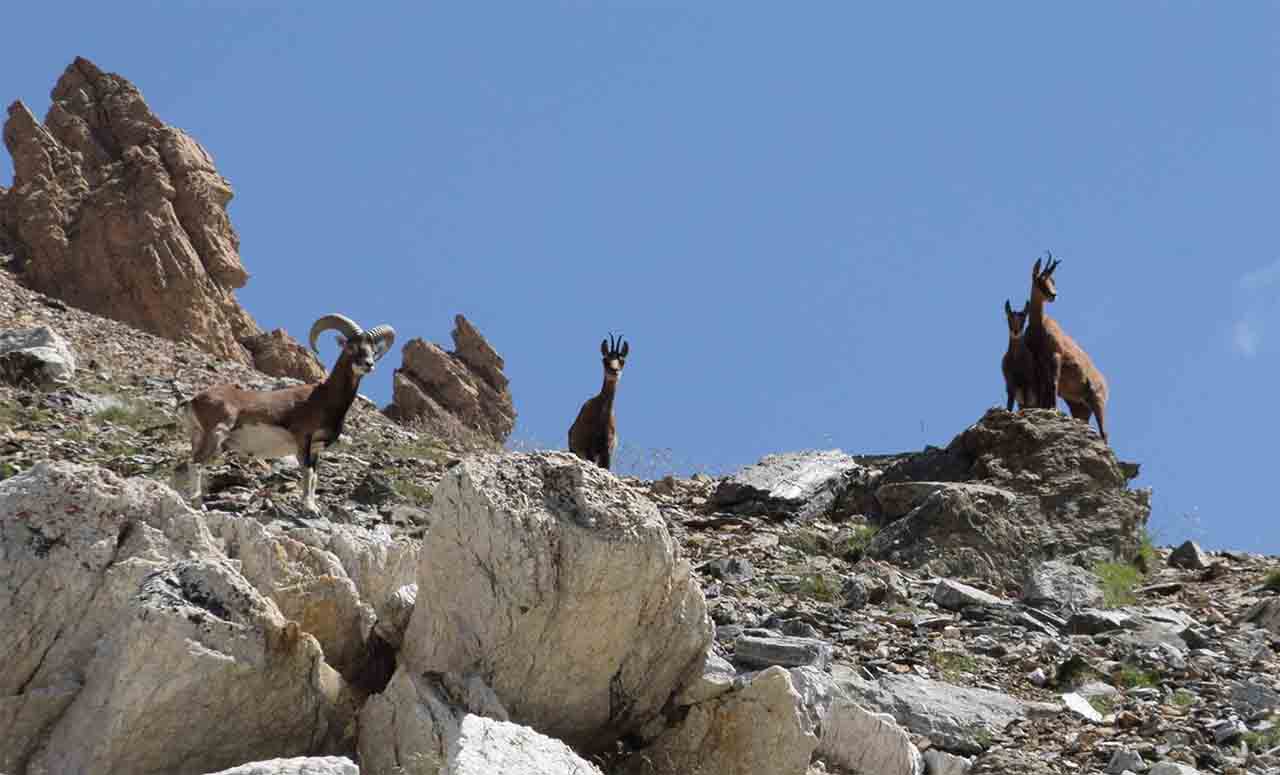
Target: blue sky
[(805, 221)]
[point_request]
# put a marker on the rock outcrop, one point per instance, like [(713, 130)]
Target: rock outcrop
[(1011, 491), (759, 727), (462, 395), (120, 214), (560, 585), (38, 357), (796, 484), (278, 354), (133, 645)]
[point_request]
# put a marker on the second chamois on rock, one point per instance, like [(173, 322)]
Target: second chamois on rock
[(1062, 367), (594, 435), (1018, 366)]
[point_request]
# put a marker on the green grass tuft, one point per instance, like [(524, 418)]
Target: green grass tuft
[(1118, 582), (1129, 677), (1272, 580), (952, 665)]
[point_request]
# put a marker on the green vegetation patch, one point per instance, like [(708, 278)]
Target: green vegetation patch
[(952, 665), (1272, 581), (1129, 677), (1118, 582)]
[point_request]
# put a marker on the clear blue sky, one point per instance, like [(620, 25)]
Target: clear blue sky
[(805, 220)]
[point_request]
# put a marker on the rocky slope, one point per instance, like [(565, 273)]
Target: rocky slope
[(975, 608)]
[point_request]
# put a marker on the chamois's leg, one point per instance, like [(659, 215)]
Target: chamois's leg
[(1098, 408), (1009, 391), (1079, 410), (1049, 390), (604, 457)]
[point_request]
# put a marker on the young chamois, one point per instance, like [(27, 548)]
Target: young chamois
[(1062, 366), (1018, 366), (594, 435), (300, 420)]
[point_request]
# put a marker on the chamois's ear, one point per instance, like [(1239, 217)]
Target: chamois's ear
[(604, 347), (1035, 270), (1008, 308), (626, 348)]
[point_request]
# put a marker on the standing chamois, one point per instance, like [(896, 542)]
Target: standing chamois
[(1018, 366), (1062, 366), (594, 434)]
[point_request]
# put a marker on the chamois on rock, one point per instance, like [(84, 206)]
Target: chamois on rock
[(1062, 367), (594, 435), (300, 420), (1018, 366)]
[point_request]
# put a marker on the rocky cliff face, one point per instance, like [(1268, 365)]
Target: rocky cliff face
[(118, 213), (460, 395)]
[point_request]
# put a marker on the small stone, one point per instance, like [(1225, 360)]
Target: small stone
[(760, 652), (952, 595), (1081, 707), (1173, 768), (1126, 760), (731, 570), (1037, 677), (1189, 556)]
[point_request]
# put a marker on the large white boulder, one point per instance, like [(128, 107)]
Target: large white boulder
[(760, 727), (562, 587), (445, 723), (133, 645)]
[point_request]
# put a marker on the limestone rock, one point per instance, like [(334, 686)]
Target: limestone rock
[(462, 395), (394, 614), (1173, 768), (1062, 586), (717, 677), (117, 213), (1020, 488), (280, 355), (1189, 555), (942, 763), (952, 595), (302, 765), (1007, 762), (955, 718), (756, 729), (133, 645), (485, 746), (201, 673), (861, 741), (1265, 614), (762, 651), (795, 484), (562, 586), (35, 356)]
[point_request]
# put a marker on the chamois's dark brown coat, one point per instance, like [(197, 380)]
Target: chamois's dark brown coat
[(1062, 367), (594, 435), (1017, 365)]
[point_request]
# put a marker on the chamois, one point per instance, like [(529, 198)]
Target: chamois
[(300, 420), (1062, 366), (1018, 366), (594, 434)]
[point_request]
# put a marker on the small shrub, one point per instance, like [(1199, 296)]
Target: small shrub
[(1183, 698), (1103, 703), (406, 487), (1147, 556), (1272, 580), (137, 415), (951, 665), (820, 587), (853, 547), (1264, 739), (1130, 677), (1118, 582)]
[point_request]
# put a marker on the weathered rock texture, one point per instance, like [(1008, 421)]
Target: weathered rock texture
[(758, 728), (795, 484), (118, 213), (133, 645), (281, 355), (461, 395), (562, 588), (1010, 491), (37, 357), (302, 765)]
